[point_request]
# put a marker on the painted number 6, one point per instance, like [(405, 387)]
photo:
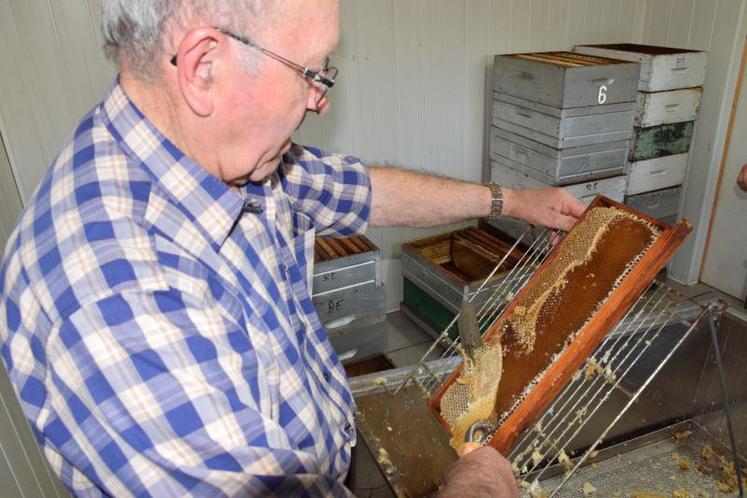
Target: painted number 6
[(602, 97)]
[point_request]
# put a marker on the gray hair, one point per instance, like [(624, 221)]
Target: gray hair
[(134, 30)]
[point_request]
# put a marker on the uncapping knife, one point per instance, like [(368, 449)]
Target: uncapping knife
[(469, 330)]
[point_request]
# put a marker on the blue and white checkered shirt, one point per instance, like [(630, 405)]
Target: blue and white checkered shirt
[(158, 327)]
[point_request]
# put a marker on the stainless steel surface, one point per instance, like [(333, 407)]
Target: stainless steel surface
[(660, 463), (685, 387), (410, 447), (732, 337)]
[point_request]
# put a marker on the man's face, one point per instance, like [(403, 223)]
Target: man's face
[(259, 114)]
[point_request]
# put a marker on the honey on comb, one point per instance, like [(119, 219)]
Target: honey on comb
[(554, 306)]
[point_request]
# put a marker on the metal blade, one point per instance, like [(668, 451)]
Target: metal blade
[(469, 330)]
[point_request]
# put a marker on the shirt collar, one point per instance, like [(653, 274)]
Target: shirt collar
[(204, 199)]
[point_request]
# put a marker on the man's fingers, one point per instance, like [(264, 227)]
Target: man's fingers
[(565, 222), (576, 208), (467, 448)]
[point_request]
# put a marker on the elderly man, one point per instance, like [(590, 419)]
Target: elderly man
[(156, 318)]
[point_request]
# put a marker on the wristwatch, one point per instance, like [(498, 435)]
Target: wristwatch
[(496, 201)]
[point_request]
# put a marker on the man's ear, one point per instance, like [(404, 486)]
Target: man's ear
[(196, 69)]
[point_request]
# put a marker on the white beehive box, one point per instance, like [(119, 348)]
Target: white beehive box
[(662, 68), (676, 106), (660, 204), (656, 174)]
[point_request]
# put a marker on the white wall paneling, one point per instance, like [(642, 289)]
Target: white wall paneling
[(53, 73), (725, 264), (10, 199)]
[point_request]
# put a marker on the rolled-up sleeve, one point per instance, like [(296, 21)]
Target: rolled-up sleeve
[(332, 190)]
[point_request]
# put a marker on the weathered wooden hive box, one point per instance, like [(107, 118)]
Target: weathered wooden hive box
[(348, 294), (561, 117), (440, 272), (582, 164), (661, 204), (670, 90), (662, 68)]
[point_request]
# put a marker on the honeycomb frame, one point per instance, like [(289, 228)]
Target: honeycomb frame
[(533, 391)]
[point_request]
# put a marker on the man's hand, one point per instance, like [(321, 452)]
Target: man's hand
[(742, 178), (551, 207), (479, 472)]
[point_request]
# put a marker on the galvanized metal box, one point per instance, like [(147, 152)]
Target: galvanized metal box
[(613, 187), (565, 79), (360, 343), (558, 166), (675, 106), (660, 204), (347, 291), (562, 128), (656, 174), (660, 141), (440, 272), (661, 68)]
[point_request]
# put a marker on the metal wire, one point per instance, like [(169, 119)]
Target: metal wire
[(591, 390), (510, 284), (500, 297), (547, 440)]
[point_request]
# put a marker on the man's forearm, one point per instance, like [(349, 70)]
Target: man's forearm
[(411, 199)]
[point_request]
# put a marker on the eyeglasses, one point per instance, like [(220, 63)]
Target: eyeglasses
[(324, 79)]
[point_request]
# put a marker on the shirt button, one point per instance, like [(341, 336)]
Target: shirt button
[(326, 375)]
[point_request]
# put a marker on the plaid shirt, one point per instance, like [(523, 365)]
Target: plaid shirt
[(157, 325)]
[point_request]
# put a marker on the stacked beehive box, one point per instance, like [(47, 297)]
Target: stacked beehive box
[(670, 89), (348, 294), (562, 119), (441, 272)]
